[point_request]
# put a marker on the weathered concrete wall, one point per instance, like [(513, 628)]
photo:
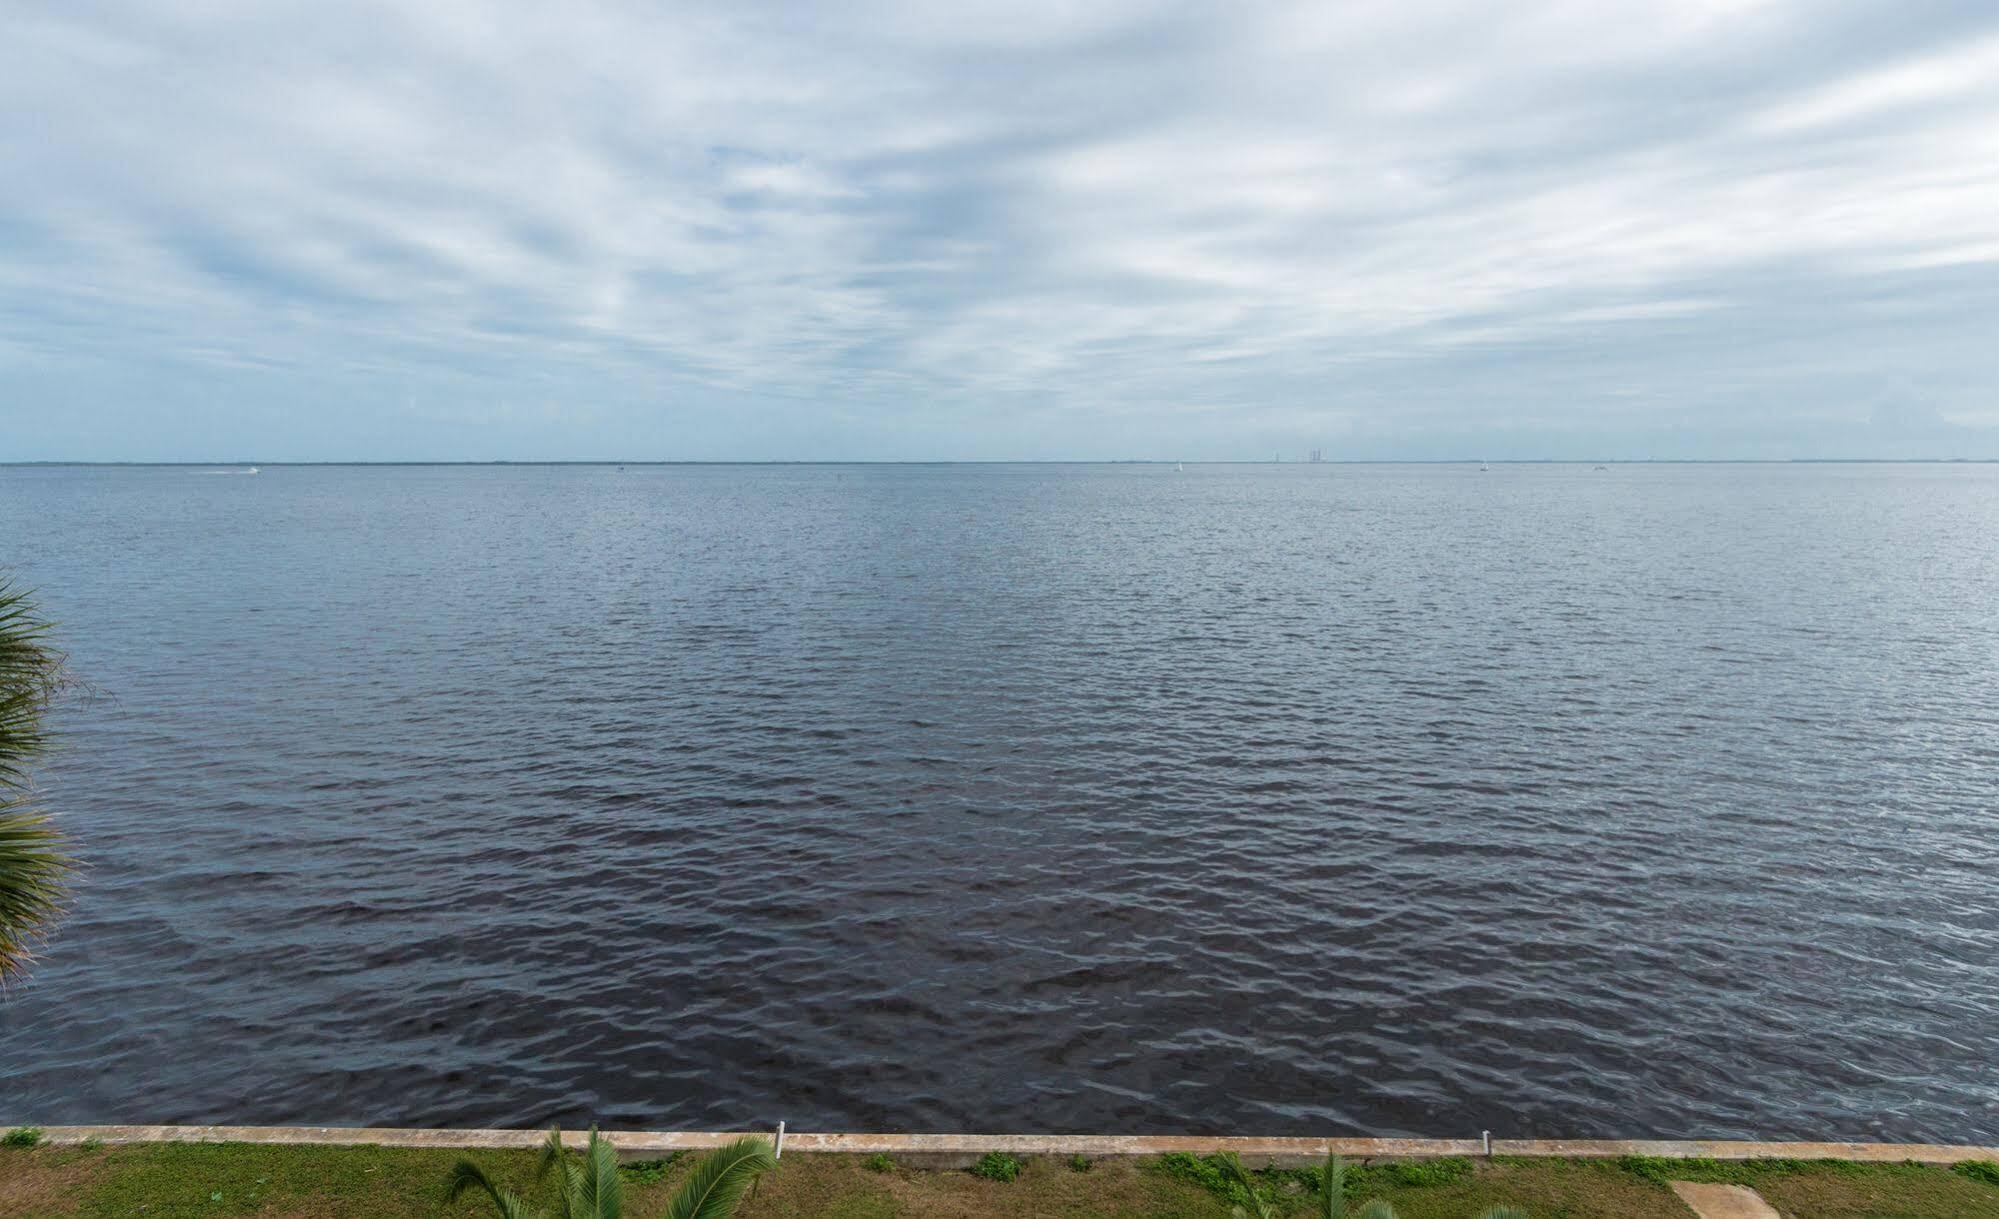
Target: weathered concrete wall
[(951, 1148)]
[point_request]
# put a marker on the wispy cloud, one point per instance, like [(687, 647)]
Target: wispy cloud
[(458, 229)]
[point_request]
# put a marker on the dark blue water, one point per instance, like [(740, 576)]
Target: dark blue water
[(1655, 800)]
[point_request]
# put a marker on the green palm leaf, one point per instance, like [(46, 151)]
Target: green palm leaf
[(592, 1191), (32, 863), (30, 675), (572, 1193), (1334, 1190), (717, 1183), (550, 1154), (553, 1155), (1377, 1209), (601, 1194), (467, 1175), (32, 869), (1236, 1173)]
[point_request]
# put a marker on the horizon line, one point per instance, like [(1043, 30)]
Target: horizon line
[(1007, 461)]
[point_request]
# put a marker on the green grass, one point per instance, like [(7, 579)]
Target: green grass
[(1877, 1191), (21, 1136), (1366, 1180), (212, 1180), (223, 1181), (1730, 1172), (878, 1162), (1277, 1184)]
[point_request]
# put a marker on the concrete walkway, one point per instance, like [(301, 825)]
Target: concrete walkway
[(1724, 1201)]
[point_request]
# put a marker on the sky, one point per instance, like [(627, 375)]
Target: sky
[(1420, 229)]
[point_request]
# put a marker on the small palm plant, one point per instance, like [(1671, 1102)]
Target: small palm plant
[(1332, 1198), (32, 865), (592, 1190)]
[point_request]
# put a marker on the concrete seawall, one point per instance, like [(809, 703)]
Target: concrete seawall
[(951, 1148)]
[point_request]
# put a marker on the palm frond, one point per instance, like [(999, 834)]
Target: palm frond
[(31, 673), (550, 1153), (568, 1189), (1376, 1209), (32, 872), (573, 1205), (32, 863), (717, 1183), (1236, 1173), (601, 1195), (467, 1175), (1333, 1196)]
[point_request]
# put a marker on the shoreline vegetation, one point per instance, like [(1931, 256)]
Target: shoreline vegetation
[(172, 1180)]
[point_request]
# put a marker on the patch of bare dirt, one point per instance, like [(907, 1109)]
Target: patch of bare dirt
[(45, 1183)]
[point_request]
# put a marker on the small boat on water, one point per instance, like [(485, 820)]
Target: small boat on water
[(1482, 467)]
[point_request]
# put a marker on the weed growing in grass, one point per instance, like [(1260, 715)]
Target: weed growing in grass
[(1204, 1171), (1977, 1170), (996, 1166), (1080, 1163), (878, 1162), (22, 1136), (649, 1172)]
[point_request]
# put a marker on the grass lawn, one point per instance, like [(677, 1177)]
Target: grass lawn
[(213, 1181)]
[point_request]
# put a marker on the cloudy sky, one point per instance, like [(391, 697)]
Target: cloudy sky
[(1417, 228)]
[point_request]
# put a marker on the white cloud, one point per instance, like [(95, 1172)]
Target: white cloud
[(1965, 74), (1098, 209)]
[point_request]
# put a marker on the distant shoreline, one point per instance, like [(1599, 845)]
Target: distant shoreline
[(1058, 461)]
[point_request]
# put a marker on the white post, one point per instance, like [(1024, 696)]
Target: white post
[(778, 1152), (1485, 1136)]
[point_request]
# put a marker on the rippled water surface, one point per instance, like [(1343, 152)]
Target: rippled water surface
[(1655, 800)]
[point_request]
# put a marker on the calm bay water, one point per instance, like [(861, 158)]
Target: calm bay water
[(1655, 800)]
